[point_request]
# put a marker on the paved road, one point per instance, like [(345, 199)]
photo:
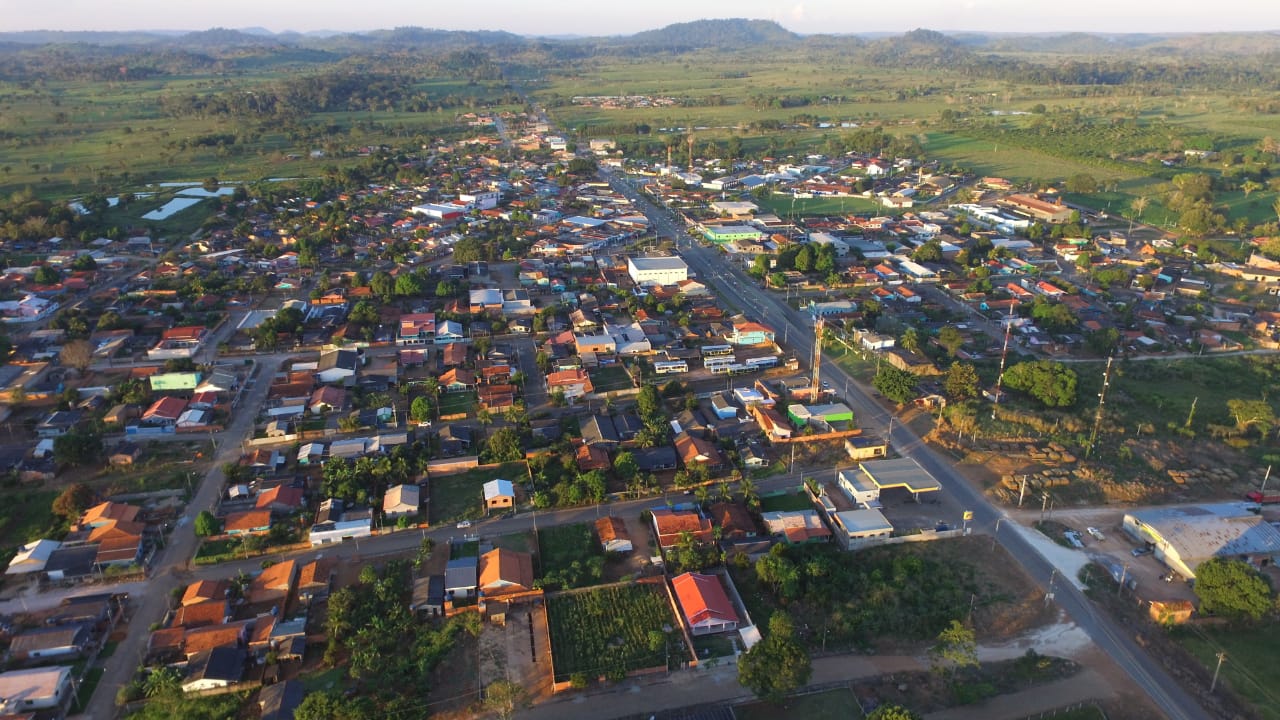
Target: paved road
[(737, 288)]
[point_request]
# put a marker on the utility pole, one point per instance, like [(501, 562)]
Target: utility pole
[(1022, 490), (994, 534), (1124, 570), (1102, 399), (1221, 658), (1044, 503), (1192, 413)]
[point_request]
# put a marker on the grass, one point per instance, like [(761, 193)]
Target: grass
[(88, 683), (608, 630), (26, 515), (457, 403), (1088, 712), (838, 704), (610, 378), (461, 497), (714, 646), (323, 680), (785, 502), (1251, 669), (569, 556), (783, 206)]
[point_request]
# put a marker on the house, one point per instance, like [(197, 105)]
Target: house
[(499, 494), (59, 423), (613, 535), (704, 604), (219, 667), (326, 398), (25, 691), (217, 382), (109, 512), (449, 331), (573, 383), (461, 576), (205, 591), (694, 450), (278, 701), (599, 430), (51, 643), (734, 521), (796, 526), (454, 439), (315, 579), (592, 457), (401, 501), (656, 459), (164, 411), (124, 453), (32, 557), (202, 614), (453, 355), (504, 572), (485, 299), (280, 500), (853, 526), (249, 522), (274, 584), (669, 525), (416, 329), (457, 380), (338, 366), (118, 543), (750, 333)]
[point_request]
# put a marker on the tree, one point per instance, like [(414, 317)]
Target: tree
[(777, 665), (892, 712), (910, 340), (1252, 414), (504, 445), (76, 354), (1139, 205), (408, 284), (420, 409), (1081, 183), (46, 275), (78, 447), (961, 382), (956, 648), (382, 285), (930, 251), (1052, 383), (73, 501), (804, 259), (626, 467), (504, 698), (950, 339), (1233, 589), (897, 385), (206, 524)]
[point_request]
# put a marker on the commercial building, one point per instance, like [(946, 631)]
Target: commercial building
[(1187, 535), (23, 691), (667, 270)]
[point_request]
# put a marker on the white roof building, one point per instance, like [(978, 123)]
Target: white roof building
[(32, 557), (667, 270), (498, 488), (1185, 536)]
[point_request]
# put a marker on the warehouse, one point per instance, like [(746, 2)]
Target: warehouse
[(1187, 535), (667, 270)]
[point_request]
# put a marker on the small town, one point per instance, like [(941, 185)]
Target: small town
[(524, 420)]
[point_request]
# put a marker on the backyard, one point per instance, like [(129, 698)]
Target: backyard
[(783, 502), (569, 556), (610, 631), (26, 515), (461, 496)]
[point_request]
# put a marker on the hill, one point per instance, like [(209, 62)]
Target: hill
[(731, 34)]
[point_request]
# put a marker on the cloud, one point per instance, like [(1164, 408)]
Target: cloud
[(797, 12)]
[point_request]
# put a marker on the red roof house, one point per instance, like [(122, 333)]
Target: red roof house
[(704, 603)]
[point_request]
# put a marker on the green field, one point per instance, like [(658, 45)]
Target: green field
[(610, 378), (1251, 669), (461, 496), (786, 206), (607, 631), (785, 502), (456, 403), (27, 515), (569, 556)]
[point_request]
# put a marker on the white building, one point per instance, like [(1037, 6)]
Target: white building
[(480, 200), (24, 691), (331, 532), (1187, 535), (822, 238), (657, 270)]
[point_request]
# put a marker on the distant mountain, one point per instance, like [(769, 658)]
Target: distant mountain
[(220, 38), (918, 48), (733, 34)]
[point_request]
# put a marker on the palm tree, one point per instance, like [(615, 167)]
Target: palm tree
[(1140, 204)]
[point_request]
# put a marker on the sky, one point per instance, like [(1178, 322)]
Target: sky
[(580, 17)]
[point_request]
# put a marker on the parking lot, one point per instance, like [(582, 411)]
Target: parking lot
[(1118, 547)]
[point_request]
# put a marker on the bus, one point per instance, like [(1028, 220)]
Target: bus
[(716, 362), (716, 350), (762, 362), (664, 367), (731, 369)]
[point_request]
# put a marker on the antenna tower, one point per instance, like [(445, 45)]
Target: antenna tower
[(818, 324), (1102, 399), (1004, 355)]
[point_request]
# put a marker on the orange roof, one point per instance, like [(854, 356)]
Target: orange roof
[(283, 494), (612, 528), (573, 376), (592, 457), (315, 572), (184, 332), (274, 583), (204, 590), (209, 612), (117, 530), (671, 524), (702, 598), (166, 639), (503, 571), (109, 511), (213, 636), (248, 521)]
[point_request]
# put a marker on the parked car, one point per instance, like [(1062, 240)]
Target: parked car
[(1140, 551), (464, 524), (1096, 533)]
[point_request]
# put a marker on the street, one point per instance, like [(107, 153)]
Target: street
[(743, 291)]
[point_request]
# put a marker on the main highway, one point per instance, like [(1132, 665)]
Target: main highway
[(732, 284)]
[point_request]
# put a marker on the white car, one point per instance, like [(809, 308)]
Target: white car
[(1096, 533), (464, 524)]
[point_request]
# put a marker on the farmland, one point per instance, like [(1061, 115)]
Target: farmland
[(610, 631)]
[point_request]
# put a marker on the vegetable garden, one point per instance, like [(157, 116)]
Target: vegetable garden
[(610, 631)]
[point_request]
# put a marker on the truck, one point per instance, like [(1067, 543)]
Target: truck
[(1261, 499)]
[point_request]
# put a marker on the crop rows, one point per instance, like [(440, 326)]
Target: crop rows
[(607, 630)]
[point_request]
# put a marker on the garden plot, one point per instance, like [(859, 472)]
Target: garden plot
[(611, 631)]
